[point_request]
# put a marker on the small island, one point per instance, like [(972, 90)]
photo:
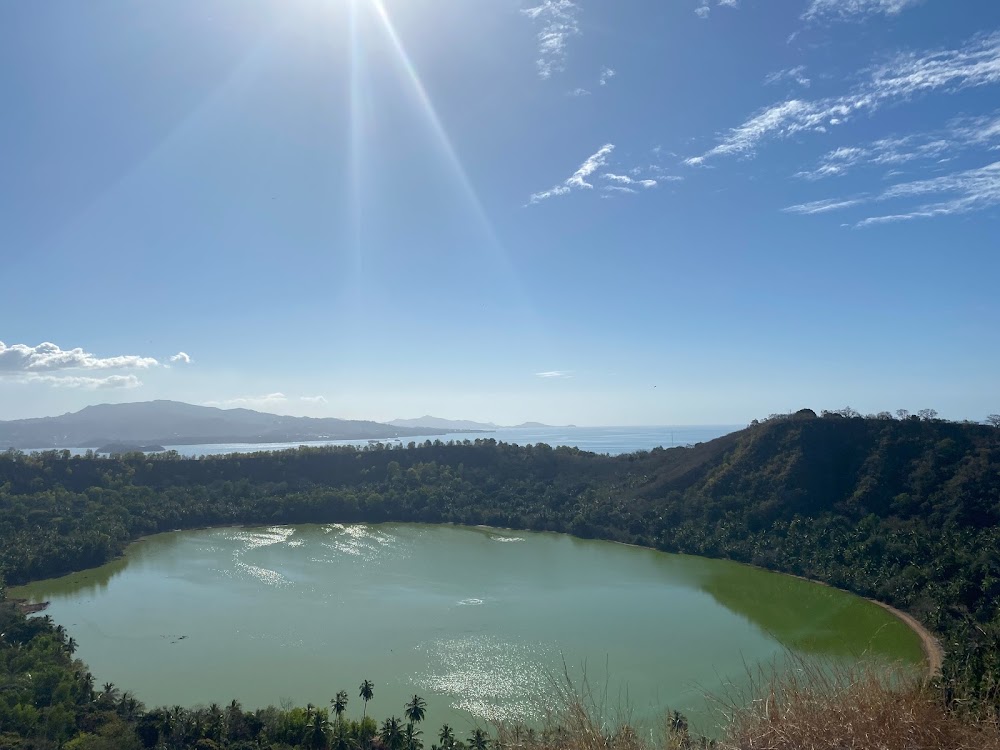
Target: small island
[(116, 448)]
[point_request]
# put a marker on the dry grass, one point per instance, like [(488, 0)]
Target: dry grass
[(808, 707), (814, 707)]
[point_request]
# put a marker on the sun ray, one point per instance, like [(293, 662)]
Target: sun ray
[(444, 142)]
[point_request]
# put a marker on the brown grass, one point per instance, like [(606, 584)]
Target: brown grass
[(808, 707), (814, 707)]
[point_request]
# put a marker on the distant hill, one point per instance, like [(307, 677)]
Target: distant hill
[(437, 423), (539, 426), (177, 423)]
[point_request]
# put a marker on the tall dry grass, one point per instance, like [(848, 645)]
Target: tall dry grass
[(808, 707), (815, 707)]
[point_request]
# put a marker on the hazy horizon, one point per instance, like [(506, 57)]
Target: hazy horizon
[(563, 211)]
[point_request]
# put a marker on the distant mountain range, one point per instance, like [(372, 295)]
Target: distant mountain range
[(176, 423), (437, 423)]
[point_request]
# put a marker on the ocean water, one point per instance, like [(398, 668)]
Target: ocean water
[(611, 440)]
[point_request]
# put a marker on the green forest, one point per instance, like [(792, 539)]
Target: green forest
[(902, 509)]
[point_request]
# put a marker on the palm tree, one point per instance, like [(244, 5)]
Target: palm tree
[(366, 694), (479, 740), (411, 737), (318, 731), (447, 737), (109, 693), (391, 733), (340, 703), (416, 709)]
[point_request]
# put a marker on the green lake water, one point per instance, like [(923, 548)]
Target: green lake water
[(477, 621)]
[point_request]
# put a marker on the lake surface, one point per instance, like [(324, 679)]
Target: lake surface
[(477, 621), (613, 440)]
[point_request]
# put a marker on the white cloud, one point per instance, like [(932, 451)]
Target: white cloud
[(579, 92), (182, 357), (251, 402), (977, 63), (84, 382), (559, 22), (960, 135), (578, 180), (606, 75), (848, 8), (313, 399), (47, 357), (555, 374), (960, 193), (623, 179), (956, 193), (796, 74), (823, 206), (703, 11)]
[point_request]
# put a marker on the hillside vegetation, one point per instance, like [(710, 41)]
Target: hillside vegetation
[(903, 510)]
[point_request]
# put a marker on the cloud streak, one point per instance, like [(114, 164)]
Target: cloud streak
[(554, 374), (182, 357), (855, 8), (960, 135), (975, 64), (578, 180), (559, 21), (796, 75), (948, 195), (622, 179), (823, 206)]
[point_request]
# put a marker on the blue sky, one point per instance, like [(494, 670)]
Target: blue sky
[(637, 212)]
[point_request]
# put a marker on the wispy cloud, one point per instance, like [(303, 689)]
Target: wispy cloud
[(578, 180), (796, 75), (977, 63), (555, 374), (704, 10), (855, 8), (956, 193), (624, 179), (559, 22), (823, 206), (579, 92), (253, 402), (182, 357), (83, 382), (606, 75), (960, 135), (313, 399)]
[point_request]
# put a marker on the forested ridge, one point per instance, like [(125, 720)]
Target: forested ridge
[(903, 510)]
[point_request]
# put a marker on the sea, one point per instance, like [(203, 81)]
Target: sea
[(610, 440)]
